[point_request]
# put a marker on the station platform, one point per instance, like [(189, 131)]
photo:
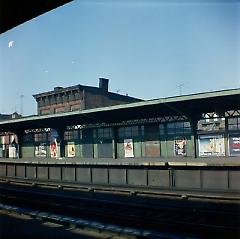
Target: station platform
[(206, 161)]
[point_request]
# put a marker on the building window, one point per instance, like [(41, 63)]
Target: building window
[(59, 110), (44, 112), (59, 99), (74, 107)]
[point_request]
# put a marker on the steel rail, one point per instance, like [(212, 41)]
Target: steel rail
[(170, 215), (83, 223)]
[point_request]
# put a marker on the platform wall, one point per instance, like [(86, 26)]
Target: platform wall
[(214, 178)]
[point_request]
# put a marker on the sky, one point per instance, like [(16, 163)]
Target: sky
[(147, 48)]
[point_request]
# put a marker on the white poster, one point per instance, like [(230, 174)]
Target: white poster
[(3, 142), (128, 148), (211, 145), (12, 152), (41, 150), (71, 150)]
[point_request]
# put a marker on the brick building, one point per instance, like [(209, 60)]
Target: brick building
[(79, 97)]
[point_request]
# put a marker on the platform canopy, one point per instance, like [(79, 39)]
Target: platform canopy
[(14, 13), (190, 106)]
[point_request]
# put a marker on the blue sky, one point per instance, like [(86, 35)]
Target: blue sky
[(146, 49)]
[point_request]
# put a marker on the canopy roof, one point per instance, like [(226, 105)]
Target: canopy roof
[(191, 106), (14, 13)]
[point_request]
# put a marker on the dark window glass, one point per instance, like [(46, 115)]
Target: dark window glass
[(28, 138), (71, 135), (103, 133), (128, 132), (161, 128), (40, 137), (151, 132), (178, 128), (234, 123)]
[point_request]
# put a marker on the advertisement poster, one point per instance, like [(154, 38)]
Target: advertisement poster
[(211, 145), (41, 150), (12, 152), (71, 150), (3, 142), (234, 145), (128, 148), (180, 147), (54, 148)]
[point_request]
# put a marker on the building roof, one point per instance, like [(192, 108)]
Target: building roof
[(92, 89), (191, 106)]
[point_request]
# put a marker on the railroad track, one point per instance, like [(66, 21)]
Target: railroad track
[(101, 228), (181, 217)]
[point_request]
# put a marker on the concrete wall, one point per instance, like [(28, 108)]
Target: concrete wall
[(219, 179)]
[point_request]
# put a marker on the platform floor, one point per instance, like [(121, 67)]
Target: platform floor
[(177, 161)]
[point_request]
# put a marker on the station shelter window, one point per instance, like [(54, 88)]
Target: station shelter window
[(211, 124), (234, 123), (175, 128), (28, 138), (103, 133), (104, 141), (41, 137), (71, 135), (128, 131), (211, 136)]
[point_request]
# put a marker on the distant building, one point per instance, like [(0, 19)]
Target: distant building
[(79, 97), (14, 115)]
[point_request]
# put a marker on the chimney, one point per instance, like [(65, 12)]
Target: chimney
[(103, 84), (58, 88)]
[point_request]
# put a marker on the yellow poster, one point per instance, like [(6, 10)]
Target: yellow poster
[(71, 150)]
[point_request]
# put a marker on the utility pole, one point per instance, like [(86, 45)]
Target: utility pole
[(21, 104), (180, 86)]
